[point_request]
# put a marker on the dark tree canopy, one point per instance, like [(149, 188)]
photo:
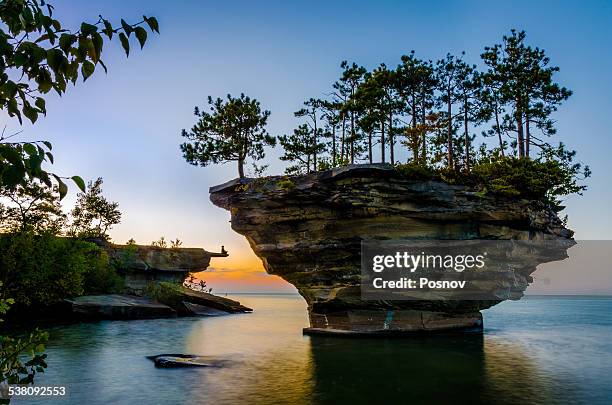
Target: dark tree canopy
[(233, 129)]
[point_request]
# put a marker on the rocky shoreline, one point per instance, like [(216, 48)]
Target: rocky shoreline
[(179, 302), (152, 288)]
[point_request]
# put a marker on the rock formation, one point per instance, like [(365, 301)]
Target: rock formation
[(153, 278), (142, 264), (308, 230)]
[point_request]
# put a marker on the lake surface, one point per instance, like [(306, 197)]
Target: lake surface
[(536, 350)]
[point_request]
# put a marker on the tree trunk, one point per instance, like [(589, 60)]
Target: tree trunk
[(415, 147), (343, 140), (334, 146), (314, 150), (415, 153), (354, 85), (391, 140), (352, 137), (424, 142), (370, 146), (382, 140), (466, 134), (449, 146), (241, 167), (498, 128), (308, 155), (520, 130), (528, 137)]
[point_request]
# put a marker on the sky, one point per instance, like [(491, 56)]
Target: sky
[(125, 126)]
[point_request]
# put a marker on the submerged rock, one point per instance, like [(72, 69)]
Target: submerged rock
[(184, 360), (308, 230)]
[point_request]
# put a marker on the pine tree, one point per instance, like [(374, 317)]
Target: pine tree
[(312, 111), (332, 116), (525, 82), (352, 77), (446, 72), (300, 148), (233, 130)]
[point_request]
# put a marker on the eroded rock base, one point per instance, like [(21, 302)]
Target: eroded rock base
[(392, 322)]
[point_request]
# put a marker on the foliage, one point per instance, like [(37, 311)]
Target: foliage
[(286, 184), (127, 255), (535, 179), (521, 78), (167, 293), (543, 179), (415, 171), (21, 162), (34, 277), (161, 243), (433, 110), (196, 284), (40, 270), (37, 55), (301, 147), (31, 206), (94, 215), (258, 171), (101, 276), (45, 56), (233, 130), (13, 370)]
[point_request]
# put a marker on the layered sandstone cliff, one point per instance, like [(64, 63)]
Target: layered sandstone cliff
[(308, 230), (142, 264)]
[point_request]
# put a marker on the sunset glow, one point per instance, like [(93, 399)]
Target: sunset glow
[(242, 272)]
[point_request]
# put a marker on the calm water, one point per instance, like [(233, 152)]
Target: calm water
[(537, 350)]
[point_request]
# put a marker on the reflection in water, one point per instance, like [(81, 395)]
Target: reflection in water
[(511, 377), (533, 351), (468, 369), (270, 357)]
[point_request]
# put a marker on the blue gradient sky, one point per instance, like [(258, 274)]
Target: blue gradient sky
[(125, 126)]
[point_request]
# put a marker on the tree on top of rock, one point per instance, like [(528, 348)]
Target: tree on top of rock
[(233, 130), (523, 78)]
